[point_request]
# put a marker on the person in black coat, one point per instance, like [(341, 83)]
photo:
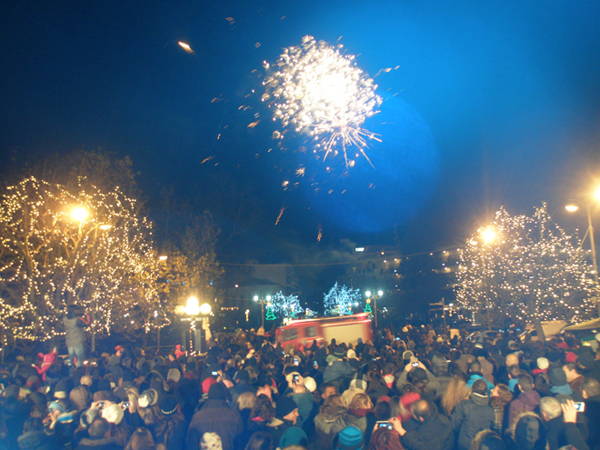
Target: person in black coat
[(33, 437), (472, 415), (216, 416), (428, 430)]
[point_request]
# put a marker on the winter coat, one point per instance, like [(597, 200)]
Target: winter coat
[(35, 440), (99, 444), (337, 370), (74, 331), (560, 434), (527, 401), (433, 434), (592, 412), (324, 423), (217, 417), (307, 407), (470, 417)]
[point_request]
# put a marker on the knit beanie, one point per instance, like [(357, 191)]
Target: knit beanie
[(211, 441), (293, 436), (207, 383), (310, 384), (168, 404), (543, 363), (148, 398), (350, 438)]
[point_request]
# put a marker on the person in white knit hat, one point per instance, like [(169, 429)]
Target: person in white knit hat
[(211, 441)]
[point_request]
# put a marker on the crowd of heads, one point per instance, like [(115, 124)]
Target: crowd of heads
[(414, 387)]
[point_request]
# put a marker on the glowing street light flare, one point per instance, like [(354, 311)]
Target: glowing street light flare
[(571, 207), (488, 235), (105, 226), (163, 257), (79, 214), (597, 194), (316, 90), (186, 47)]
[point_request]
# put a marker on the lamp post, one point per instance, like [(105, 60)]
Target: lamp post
[(262, 301), (488, 236), (573, 206), (374, 297), (194, 311)]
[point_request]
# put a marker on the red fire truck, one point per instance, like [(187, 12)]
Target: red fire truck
[(342, 328)]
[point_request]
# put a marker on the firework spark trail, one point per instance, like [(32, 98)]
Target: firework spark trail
[(319, 91), (283, 208)]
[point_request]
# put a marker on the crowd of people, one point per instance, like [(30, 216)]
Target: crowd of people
[(413, 388)]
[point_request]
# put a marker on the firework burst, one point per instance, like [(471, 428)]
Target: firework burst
[(321, 92)]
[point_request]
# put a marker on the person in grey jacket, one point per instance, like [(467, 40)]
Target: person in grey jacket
[(74, 324), (472, 415)]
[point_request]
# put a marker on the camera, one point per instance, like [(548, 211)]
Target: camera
[(296, 379), (214, 374), (296, 361), (316, 364), (383, 424), (415, 364)]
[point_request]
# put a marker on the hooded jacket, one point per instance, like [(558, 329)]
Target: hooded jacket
[(433, 434), (324, 423), (470, 417), (527, 401)]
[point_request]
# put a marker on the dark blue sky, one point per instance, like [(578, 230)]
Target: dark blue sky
[(490, 105)]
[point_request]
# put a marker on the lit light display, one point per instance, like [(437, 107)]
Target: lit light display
[(532, 271), (101, 260), (286, 306), (319, 91), (340, 300)]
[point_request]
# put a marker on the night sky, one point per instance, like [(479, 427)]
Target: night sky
[(488, 104)]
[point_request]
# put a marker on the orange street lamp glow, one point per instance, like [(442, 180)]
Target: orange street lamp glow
[(79, 214), (488, 235)]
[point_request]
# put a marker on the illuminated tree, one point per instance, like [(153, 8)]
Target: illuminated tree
[(192, 266), (525, 270), (340, 300), (286, 305), (81, 246)]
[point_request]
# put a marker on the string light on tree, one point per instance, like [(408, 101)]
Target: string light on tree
[(83, 246), (531, 272), (340, 300), (286, 306)]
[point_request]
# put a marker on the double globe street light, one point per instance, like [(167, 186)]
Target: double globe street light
[(374, 297)]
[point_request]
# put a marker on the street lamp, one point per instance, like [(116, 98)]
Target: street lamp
[(79, 214), (262, 301), (374, 298), (194, 311), (573, 206)]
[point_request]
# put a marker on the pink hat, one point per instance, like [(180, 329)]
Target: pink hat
[(571, 357)]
